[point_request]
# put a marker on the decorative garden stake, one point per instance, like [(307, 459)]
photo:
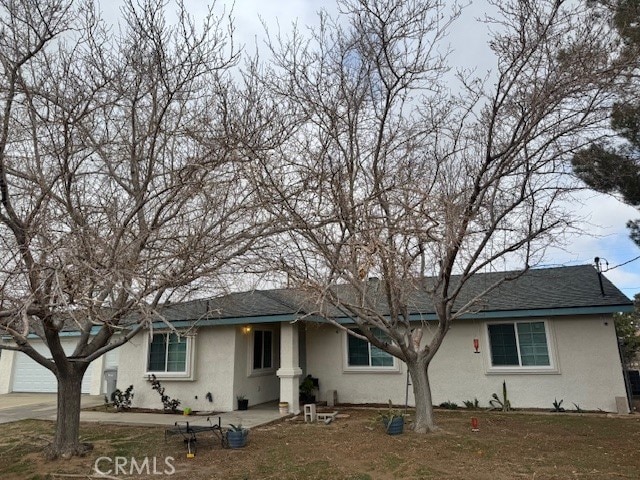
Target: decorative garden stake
[(474, 425)]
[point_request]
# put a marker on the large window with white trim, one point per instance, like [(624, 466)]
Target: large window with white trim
[(168, 353), (519, 344), (362, 354)]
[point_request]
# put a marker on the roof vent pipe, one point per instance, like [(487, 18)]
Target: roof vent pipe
[(597, 261)]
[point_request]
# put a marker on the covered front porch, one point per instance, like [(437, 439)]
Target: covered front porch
[(269, 366)]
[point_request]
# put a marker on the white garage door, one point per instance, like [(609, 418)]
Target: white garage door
[(30, 376)]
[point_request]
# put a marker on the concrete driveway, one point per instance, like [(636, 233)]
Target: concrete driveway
[(21, 406)]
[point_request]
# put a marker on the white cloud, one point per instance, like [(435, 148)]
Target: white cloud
[(605, 236)]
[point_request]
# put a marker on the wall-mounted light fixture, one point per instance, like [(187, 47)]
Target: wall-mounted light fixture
[(246, 329), (476, 345)]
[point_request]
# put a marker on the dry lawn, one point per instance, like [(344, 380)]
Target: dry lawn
[(508, 446)]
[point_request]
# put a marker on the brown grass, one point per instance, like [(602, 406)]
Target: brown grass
[(508, 446)]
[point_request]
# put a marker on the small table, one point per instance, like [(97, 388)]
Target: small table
[(190, 433)]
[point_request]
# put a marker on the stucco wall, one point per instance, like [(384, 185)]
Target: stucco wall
[(221, 358), (256, 388), (588, 369), (6, 370), (214, 353), (325, 356), (97, 376)]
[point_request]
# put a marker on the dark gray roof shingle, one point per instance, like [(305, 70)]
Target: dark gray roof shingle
[(560, 287), (256, 303), (537, 289)]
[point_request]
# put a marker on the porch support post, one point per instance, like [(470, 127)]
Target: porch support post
[(289, 371)]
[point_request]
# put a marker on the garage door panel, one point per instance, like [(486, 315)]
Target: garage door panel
[(30, 376)]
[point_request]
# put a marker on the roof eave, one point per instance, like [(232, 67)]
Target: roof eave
[(415, 317), (528, 313), (497, 314)]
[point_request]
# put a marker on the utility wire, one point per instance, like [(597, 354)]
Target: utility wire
[(620, 265)]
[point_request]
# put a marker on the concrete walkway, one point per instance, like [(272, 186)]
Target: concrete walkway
[(255, 416), (21, 406)]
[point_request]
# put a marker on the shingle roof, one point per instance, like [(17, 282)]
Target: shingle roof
[(256, 303), (537, 289), (560, 287)]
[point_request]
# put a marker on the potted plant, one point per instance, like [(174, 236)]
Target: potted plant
[(187, 411), (237, 436), (307, 387), (243, 402), (393, 420)]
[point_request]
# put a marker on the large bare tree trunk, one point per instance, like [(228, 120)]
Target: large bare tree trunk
[(66, 441), (396, 171), (425, 421), (118, 189)]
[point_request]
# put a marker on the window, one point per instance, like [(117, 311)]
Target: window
[(168, 353), (519, 344), (262, 349), (361, 353)]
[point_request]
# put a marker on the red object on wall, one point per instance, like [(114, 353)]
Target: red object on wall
[(476, 345)]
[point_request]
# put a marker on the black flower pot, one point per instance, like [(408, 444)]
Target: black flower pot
[(243, 404)]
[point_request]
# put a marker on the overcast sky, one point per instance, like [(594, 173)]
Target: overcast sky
[(605, 233)]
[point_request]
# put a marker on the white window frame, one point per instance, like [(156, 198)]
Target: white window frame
[(256, 372), (552, 368), (188, 374), (346, 368)]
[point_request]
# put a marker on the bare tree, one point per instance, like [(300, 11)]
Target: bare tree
[(118, 184), (394, 174)]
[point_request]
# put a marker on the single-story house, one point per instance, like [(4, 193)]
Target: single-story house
[(549, 335)]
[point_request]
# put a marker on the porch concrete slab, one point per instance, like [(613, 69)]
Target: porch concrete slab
[(254, 417)]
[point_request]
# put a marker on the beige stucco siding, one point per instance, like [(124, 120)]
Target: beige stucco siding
[(213, 371), (7, 358), (220, 356), (586, 368), (261, 387), (325, 358)]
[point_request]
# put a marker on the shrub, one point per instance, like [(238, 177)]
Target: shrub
[(122, 400), (501, 403), (472, 404), (557, 406), (168, 403)]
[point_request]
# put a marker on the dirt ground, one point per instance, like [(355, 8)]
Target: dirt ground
[(508, 446)]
